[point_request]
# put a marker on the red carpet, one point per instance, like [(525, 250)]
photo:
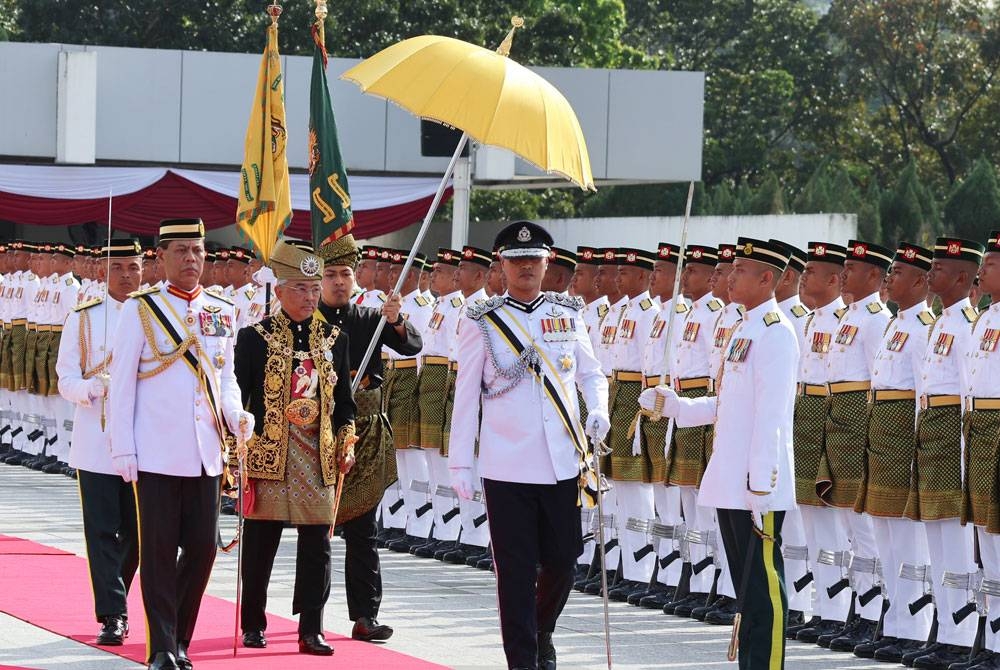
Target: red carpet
[(15, 545), (52, 591)]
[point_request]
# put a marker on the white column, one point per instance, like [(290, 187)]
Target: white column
[(76, 119), (462, 180)]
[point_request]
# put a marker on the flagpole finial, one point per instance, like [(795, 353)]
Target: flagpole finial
[(274, 11), (515, 23), (321, 10)]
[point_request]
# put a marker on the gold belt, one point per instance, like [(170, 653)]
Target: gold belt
[(31, 326), (19, 322), (812, 389), (655, 380), (627, 376), (42, 328), (888, 395), (453, 366), (692, 383), (928, 401), (848, 387), (975, 404), (401, 363), (435, 360), (56, 328)]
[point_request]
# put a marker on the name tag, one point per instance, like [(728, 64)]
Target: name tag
[(738, 350), (989, 341), (942, 346), (721, 335), (436, 319), (691, 331), (821, 343), (215, 324), (558, 330), (846, 334), (628, 329), (897, 341)]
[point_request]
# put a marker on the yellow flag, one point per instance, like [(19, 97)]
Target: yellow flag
[(265, 206)]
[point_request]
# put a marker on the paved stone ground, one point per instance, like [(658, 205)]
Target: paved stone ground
[(441, 613)]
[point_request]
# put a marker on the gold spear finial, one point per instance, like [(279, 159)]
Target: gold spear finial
[(321, 10), (515, 23), (274, 11)]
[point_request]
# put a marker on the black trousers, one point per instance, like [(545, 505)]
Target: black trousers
[(312, 574), (112, 537), (362, 570), (765, 603), (536, 536), (175, 513)]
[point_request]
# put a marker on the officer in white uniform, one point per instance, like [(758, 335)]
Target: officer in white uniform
[(176, 403), (109, 523), (752, 412), (531, 468)]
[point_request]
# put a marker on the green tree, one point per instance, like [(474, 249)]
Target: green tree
[(973, 209), (769, 197), (870, 217), (908, 211), (815, 195)]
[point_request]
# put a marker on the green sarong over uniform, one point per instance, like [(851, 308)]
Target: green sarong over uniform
[(892, 444), (432, 388), (808, 437), (936, 488), (981, 502), (18, 348), (449, 406), (30, 380), (623, 401), (846, 436), (375, 461), (401, 406), (690, 449), (42, 344), (50, 362)]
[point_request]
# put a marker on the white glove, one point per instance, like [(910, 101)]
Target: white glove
[(244, 425), (126, 466), (97, 387), (598, 425), (461, 481), (759, 505), (671, 404)]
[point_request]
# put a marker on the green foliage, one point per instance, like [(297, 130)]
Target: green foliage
[(973, 209), (870, 216), (769, 198), (908, 211)]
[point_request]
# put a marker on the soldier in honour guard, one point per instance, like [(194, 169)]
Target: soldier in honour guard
[(691, 445), (559, 275), (12, 361), (365, 276), (375, 467), (826, 534), (107, 502), (294, 373), (518, 361), (796, 549), (496, 283), (981, 501), (749, 479), (936, 493), (901, 543), (176, 403)]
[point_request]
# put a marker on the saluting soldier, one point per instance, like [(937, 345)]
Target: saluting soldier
[(176, 403), (936, 483), (294, 373), (107, 502), (981, 502), (752, 413), (889, 452), (524, 357)]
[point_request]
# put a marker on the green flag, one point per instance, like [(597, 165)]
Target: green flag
[(328, 191)]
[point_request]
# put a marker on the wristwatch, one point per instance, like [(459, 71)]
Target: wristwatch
[(399, 320)]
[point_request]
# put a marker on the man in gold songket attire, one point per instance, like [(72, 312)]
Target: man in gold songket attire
[(294, 374)]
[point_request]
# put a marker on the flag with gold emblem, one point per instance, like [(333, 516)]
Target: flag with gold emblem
[(265, 199), (328, 192)]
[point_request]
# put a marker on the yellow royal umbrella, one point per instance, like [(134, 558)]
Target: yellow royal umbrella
[(493, 99)]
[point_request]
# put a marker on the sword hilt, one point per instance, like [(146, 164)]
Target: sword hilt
[(394, 507), (869, 595), (450, 514), (640, 554)]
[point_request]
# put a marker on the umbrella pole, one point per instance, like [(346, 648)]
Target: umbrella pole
[(442, 187)]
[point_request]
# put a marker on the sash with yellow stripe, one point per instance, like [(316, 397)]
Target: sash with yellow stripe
[(555, 392)]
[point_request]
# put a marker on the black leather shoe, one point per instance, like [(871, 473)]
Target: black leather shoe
[(984, 660), (163, 660), (370, 630), (723, 614), (910, 657), (941, 658), (792, 630), (314, 645), (114, 630), (868, 649), (624, 589), (862, 633), (848, 628), (893, 653), (593, 587), (183, 662), (404, 543), (254, 639), (485, 563), (823, 627), (445, 548), (425, 550), (699, 612), (546, 652), (473, 560), (657, 601), (459, 553), (694, 600), (636, 597), (56, 467)]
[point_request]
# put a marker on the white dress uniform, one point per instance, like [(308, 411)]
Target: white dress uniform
[(65, 291), (853, 362), (32, 406), (949, 542), (824, 526), (593, 317), (900, 540), (11, 281)]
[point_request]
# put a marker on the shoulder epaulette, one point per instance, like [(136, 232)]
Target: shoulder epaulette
[(250, 293), (219, 296), (382, 296), (978, 316), (145, 291), (715, 304), (680, 307), (571, 301), (970, 313), (926, 317), (477, 311), (87, 304), (646, 304), (602, 311), (422, 301), (839, 313), (799, 311), (741, 310), (874, 307), (456, 302), (69, 281), (771, 318)]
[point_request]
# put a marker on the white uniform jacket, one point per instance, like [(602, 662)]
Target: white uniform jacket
[(523, 438), (797, 313), (857, 340)]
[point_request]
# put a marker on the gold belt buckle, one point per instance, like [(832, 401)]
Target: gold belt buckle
[(302, 411)]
